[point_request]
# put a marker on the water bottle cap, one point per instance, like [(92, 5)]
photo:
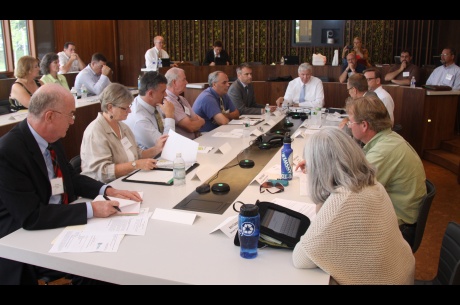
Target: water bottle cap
[(287, 138), (249, 210)]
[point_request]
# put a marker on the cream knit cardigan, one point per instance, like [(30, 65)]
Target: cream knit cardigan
[(355, 238)]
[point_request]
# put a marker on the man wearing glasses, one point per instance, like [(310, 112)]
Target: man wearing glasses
[(152, 55), (352, 67), (374, 82), (37, 183), (357, 87), (95, 76), (399, 168), (448, 74)]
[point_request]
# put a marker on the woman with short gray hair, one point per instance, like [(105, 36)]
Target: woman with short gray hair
[(109, 149), (355, 236)]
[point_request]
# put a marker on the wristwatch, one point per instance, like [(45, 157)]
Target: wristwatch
[(134, 164)]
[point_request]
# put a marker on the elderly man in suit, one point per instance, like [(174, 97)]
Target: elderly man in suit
[(37, 182)]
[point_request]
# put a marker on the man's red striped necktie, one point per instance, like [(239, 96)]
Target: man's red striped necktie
[(58, 172)]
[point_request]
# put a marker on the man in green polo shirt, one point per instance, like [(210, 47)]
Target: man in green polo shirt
[(399, 168)]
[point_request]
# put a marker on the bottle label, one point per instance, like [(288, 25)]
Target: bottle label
[(247, 229), (179, 173), (286, 163)]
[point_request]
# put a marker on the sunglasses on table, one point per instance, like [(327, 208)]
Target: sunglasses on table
[(266, 186)]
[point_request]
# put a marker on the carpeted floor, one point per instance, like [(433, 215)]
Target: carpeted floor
[(445, 208)]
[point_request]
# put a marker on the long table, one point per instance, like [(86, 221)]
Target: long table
[(172, 253)]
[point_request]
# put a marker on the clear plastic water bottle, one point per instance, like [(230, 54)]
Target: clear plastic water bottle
[(286, 158), (267, 112), (74, 93), (160, 63), (139, 82), (412, 82), (179, 170), (84, 91), (249, 230), (316, 116), (246, 126)]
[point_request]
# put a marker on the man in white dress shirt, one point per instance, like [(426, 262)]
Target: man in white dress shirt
[(69, 61), (374, 82), (303, 91), (152, 55)]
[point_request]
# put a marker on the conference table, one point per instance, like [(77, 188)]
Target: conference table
[(174, 253)]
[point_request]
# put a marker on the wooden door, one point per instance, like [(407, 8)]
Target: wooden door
[(133, 42)]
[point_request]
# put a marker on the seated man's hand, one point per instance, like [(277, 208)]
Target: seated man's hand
[(279, 101)]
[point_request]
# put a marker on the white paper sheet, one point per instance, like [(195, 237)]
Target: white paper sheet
[(178, 143)]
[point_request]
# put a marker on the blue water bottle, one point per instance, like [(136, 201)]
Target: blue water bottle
[(286, 158), (248, 230)]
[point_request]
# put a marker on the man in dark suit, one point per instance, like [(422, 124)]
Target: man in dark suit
[(242, 92), (32, 196), (217, 56)]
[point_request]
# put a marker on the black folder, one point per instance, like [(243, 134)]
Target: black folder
[(132, 177)]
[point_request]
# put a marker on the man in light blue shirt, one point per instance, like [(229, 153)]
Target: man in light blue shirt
[(214, 104), (151, 114), (95, 75), (449, 73)]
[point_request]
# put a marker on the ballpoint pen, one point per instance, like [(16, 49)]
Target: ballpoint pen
[(107, 198)]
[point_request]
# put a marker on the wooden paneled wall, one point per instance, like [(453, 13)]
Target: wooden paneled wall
[(267, 40), (124, 42), (89, 36)]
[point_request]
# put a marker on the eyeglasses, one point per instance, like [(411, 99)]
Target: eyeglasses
[(268, 185), (72, 116), (445, 54), (349, 123), (348, 89), (123, 108), (370, 78)]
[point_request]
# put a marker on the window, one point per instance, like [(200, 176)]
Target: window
[(317, 33), (16, 40), (303, 31)]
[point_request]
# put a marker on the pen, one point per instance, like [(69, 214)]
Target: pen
[(107, 198)]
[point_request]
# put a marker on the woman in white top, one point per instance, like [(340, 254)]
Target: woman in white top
[(355, 236)]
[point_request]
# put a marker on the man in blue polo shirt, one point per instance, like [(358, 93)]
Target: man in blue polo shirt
[(213, 104)]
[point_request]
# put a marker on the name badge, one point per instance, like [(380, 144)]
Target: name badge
[(405, 74), (125, 142), (187, 111), (449, 76), (57, 186)]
